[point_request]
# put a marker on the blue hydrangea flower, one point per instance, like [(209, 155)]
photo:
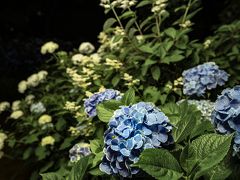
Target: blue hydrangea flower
[(79, 150), (226, 114), (91, 103), (131, 130), (205, 76)]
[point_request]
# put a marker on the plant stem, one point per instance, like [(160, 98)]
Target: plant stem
[(135, 16), (115, 14), (186, 12)]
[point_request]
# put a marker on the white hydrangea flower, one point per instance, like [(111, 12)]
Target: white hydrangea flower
[(38, 108), (4, 106), (86, 48), (44, 119), (48, 140), (29, 99), (49, 47), (22, 86), (16, 114), (16, 105)]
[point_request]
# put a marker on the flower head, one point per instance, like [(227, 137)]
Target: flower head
[(79, 150), (49, 47), (16, 105), (44, 119), (37, 108), (48, 140), (22, 86), (131, 130), (86, 48), (16, 114), (226, 114), (4, 106), (205, 76), (29, 99), (91, 103), (3, 137)]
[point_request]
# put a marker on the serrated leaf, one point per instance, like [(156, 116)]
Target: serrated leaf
[(129, 97), (209, 150), (104, 114), (108, 23), (155, 70), (160, 164)]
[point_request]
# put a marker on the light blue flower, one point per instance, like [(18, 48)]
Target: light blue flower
[(91, 103), (131, 130), (226, 114), (203, 77), (79, 150)]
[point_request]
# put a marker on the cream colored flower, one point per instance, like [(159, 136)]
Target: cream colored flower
[(207, 43), (86, 48), (186, 24), (113, 63), (29, 99), (4, 106), (44, 119), (16, 105), (22, 86), (71, 106), (88, 93), (48, 140), (33, 80), (101, 89), (16, 114), (49, 47), (77, 59), (42, 75), (3, 137)]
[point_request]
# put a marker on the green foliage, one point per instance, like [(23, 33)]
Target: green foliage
[(160, 164)]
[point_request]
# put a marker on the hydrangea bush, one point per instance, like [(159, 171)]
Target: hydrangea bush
[(142, 132)]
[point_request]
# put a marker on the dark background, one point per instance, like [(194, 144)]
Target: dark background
[(26, 25)]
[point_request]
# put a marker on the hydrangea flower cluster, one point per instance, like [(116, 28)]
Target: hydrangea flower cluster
[(205, 106), (205, 76), (37, 108), (131, 130), (226, 114), (91, 103), (79, 150)]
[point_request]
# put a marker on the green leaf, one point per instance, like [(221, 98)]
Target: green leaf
[(209, 150), (79, 169), (96, 172), (108, 23), (171, 32), (127, 14), (184, 121), (104, 114), (204, 153), (112, 104), (155, 70), (160, 164), (115, 80), (172, 58), (97, 159), (143, 3), (51, 176), (61, 123), (129, 97), (66, 143), (96, 146), (41, 152)]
